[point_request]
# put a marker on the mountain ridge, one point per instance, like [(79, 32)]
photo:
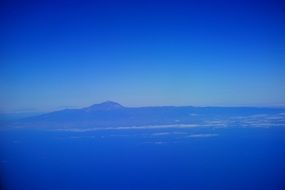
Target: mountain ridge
[(112, 114), (107, 105)]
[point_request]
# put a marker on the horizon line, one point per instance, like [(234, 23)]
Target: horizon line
[(20, 111)]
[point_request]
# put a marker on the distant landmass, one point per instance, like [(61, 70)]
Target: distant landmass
[(111, 114)]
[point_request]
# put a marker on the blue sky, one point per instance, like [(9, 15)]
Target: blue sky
[(75, 53)]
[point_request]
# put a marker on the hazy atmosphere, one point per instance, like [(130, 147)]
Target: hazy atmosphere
[(57, 54), (142, 95)]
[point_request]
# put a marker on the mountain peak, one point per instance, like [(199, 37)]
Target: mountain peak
[(107, 105)]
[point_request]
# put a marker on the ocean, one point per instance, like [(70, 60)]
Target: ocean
[(197, 158)]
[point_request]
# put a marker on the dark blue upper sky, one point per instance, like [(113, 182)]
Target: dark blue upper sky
[(76, 53)]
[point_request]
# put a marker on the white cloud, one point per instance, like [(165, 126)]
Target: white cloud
[(203, 135)]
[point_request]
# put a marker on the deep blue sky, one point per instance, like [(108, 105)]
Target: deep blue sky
[(76, 53)]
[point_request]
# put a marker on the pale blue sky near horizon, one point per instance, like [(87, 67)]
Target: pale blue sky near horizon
[(57, 54)]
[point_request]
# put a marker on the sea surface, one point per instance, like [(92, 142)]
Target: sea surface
[(144, 159)]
